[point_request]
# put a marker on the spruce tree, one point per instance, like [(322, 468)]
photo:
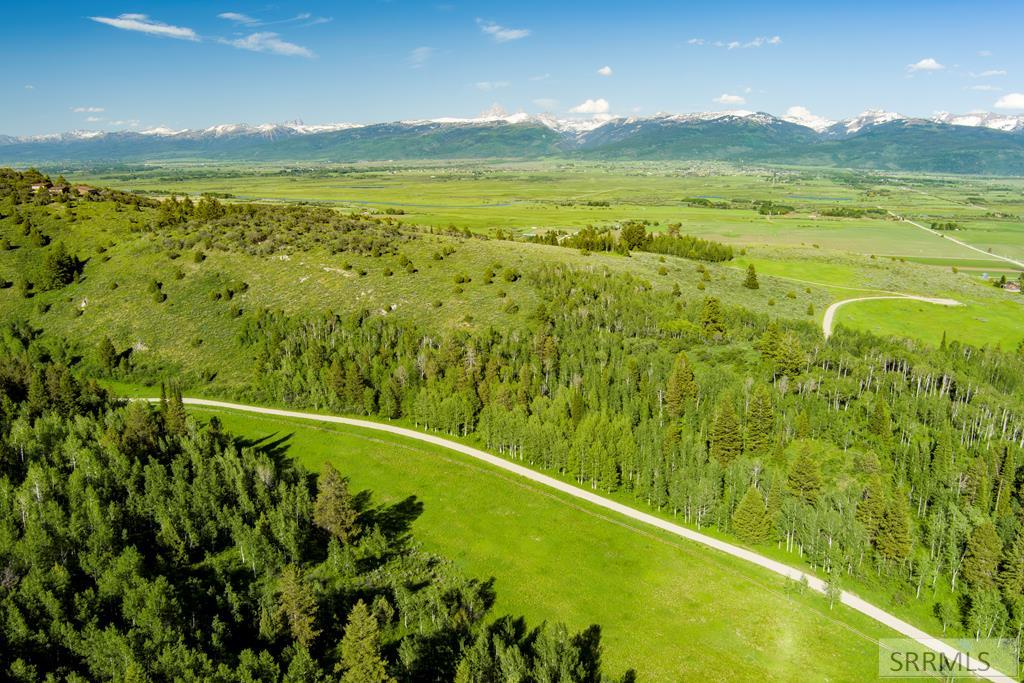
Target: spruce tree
[(751, 281), (297, 604), (760, 420), (1011, 575), (750, 519), (107, 354), (880, 423), (681, 387), (871, 508), (893, 540), (804, 478), (982, 560), (334, 509), (361, 659), (726, 441), (712, 320)]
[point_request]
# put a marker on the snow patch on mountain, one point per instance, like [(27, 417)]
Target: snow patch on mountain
[(802, 116)]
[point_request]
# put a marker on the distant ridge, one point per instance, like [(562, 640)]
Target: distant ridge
[(978, 142)]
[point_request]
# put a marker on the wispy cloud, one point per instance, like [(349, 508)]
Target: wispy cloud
[(420, 56), (540, 77), (726, 98), (984, 53), (238, 18), (87, 110), (490, 85), (270, 42), (990, 73), (29, 87), (759, 41), (984, 88), (605, 71), (546, 103), (926, 64), (143, 24), (93, 119), (1013, 100), (598, 106), (502, 34)]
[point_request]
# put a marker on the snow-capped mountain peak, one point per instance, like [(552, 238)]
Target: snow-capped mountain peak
[(870, 117)]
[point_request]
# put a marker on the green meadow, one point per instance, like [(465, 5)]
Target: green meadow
[(670, 609)]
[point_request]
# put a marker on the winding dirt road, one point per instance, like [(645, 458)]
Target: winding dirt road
[(830, 312), (847, 598)]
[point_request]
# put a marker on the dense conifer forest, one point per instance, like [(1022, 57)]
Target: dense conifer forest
[(138, 544)]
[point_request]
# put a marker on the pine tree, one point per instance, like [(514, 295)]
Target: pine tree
[(750, 519), (893, 540), (681, 387), (770, 342), (760, 420), (107, 354), (804, 478), (871, 508), (361, 659), (712, 320), (982, 560), (1011, 575), (751, 281), (726, 441), (297, 604), (174, 412), (334, 509), (881, 420)]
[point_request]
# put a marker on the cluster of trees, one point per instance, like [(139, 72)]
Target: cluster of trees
[(259, 229), (136, 544), (766, 207), (874, 461), (854, 212), (633, 236), (946, 225)]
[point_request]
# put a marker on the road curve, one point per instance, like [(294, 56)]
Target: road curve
[(830, 312), (847, 598)]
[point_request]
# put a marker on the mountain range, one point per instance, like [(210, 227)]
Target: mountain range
[(979, 142)]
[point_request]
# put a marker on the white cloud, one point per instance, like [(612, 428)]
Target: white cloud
[(759, 41), (984, 88), (487, 86), (1013, 100), (546, 103), (267, 41), (726, 98), (605, 71), (420, 56), (598, 106), (30, 87), (87, 110), (238, 18), (989, 73), (502, 34), (926, 64), (540, 77), (130, 123), (143, 24), (93, 119)]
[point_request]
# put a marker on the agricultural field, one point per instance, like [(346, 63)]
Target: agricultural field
[(668, 609)]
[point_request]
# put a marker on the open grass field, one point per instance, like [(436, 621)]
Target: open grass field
[(669, 609), (528, 196)]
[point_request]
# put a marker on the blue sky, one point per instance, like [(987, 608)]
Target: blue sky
[(138, 64)]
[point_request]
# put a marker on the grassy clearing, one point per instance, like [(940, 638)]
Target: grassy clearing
[(670, 609)]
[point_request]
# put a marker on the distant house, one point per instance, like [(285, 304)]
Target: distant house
[(85, 190), (1012, 286), (39, 186), (58, 189)]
